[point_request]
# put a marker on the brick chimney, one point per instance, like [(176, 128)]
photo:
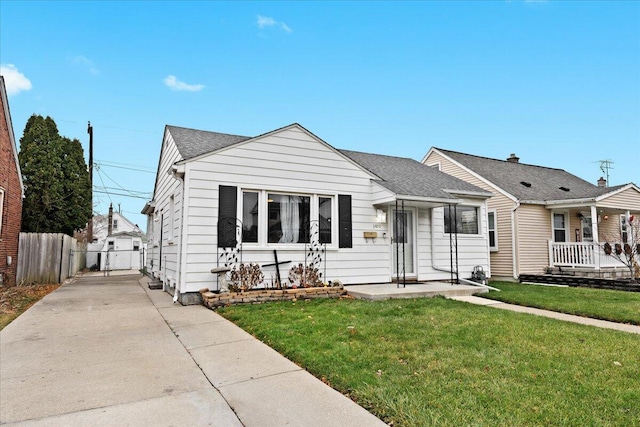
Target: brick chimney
[(602, 182), (513, 158), (110, 220)]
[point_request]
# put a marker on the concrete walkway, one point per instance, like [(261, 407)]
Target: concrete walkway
[(634, 329), (411, 290), (107, 351)]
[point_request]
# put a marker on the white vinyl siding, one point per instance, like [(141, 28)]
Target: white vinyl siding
[(501, 261), (289, 162)]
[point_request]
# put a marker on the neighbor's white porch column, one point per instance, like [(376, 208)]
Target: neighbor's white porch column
[(596, 236)]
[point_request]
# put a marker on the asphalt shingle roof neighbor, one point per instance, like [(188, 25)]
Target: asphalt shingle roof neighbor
[(409, 177), (193, 143), (529, 182)]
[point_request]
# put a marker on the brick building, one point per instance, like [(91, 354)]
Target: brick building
[(11, 194)]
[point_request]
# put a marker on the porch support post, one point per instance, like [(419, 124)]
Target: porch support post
[(596, 236)]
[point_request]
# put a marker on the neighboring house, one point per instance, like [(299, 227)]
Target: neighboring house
[(121, 251), (287, 193), (11, 194), (118, 244), (542, 216)]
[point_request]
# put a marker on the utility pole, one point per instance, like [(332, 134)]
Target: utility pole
[(90, 228)]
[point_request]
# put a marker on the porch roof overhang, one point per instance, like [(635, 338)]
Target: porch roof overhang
[(148, 208), (581, 203), (417, 201)]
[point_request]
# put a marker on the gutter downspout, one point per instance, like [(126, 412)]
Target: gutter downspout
[(513, 240), (180, 177), (448, 270)]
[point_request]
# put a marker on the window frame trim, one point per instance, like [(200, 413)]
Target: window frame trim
[(263, 216), (494, 248), (478, 209)]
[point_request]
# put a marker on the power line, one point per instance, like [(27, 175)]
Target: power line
[(110, 193), (125, 166)]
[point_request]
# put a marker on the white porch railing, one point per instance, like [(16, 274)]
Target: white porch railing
[(581, 254)]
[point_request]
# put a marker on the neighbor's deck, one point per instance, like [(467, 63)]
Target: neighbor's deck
[(412, 290)]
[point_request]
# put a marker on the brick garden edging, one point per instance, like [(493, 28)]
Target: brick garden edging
[(213, 300)]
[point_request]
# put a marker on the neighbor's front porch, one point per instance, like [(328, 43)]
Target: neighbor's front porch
[(579, 234)]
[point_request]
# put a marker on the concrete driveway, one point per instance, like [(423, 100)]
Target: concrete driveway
[(107, 351)]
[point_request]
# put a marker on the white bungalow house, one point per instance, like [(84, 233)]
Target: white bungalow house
[(287, 197), (546, 217)]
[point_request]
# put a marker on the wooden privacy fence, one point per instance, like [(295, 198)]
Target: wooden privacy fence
[(48, 258)]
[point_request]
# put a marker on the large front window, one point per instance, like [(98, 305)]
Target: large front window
[(461, 219), (285, 218), (289, 217)]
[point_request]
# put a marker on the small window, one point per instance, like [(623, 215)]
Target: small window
[(250, 215), (110, 245), (288, 218), (324, 219), (136, 246), (559, 227), (492, 231), (115, 224), (465, 220)]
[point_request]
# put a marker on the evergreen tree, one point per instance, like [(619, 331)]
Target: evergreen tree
[(58, 191)]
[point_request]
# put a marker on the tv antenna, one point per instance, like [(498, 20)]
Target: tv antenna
[(605, 166)]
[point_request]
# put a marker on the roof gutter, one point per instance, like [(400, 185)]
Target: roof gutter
[(482, 194)]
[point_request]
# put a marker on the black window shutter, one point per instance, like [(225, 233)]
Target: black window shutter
[(227, 210), (344, 221)]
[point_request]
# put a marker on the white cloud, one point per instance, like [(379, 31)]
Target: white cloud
[(14, 80), (173, 83), (83, 60), (265, 21)]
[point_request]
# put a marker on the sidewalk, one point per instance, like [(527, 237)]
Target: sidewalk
[(634, 329), (107, 351)]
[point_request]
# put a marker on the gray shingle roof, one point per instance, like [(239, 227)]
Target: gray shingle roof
[(545, 183), (404, 176), (193, 143)]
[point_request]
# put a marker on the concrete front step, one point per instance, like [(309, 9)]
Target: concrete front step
[(414, 290)]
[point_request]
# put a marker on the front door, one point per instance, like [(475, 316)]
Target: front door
[(587, 229), (402, 246)]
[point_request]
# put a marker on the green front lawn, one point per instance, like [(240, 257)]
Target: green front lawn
[(617, 306), (425, 362)]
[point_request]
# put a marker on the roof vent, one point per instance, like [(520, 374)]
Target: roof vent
[(513, 158), (564, 188), (525, 183)]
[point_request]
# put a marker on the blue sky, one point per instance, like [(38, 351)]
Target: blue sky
[(556, 82)]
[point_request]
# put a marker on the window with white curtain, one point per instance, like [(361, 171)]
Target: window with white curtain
[(288, 218)]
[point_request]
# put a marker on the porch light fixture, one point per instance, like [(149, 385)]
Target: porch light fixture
[(381, 216), (606, 217)]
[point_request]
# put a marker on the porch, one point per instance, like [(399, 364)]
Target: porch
[(583, 256)]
